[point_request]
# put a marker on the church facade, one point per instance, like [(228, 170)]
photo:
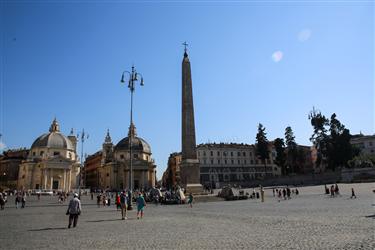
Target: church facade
[(114, 170), (52, 162)]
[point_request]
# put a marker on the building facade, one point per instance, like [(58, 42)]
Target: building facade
[(113, 172), (171, 177), (225, 163), (51, 163), (233, 163), (9, 167), (91, 169)]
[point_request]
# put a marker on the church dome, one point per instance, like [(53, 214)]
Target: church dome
[(138, 144), (53, 139)]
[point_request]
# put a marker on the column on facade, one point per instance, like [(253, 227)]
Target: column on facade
[(69, 179), (63, 186), (126, 179), (45, 179), (143, 179), (51, 176)]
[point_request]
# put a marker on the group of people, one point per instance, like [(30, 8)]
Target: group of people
[(284, 193), (334, 191), (20, 199)]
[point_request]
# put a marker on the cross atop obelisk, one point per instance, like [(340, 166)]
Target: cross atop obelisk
[(190, 172), (185, 47)]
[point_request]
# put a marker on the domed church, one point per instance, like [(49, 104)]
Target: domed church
[(115, 166), (52, 162)]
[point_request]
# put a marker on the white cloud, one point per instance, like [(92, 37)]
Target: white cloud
[(304, 35), (277, 56), (2, 146)]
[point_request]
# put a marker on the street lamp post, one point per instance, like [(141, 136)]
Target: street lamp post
[(133, 79), (82, 137)]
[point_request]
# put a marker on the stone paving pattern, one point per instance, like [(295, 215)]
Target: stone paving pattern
[(311, 220)]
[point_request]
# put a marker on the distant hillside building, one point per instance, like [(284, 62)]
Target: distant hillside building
[(366, 143), (9, 167), (52, 162)]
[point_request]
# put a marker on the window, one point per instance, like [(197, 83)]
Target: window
[(218, 153), (204, 161), (204, 153), (251, 161), (239, 162), (212, 153), (212, 161), (243, 153), (199, 153), (33, 153), (370, 143), (41, 153), (232, 161), (245, 162), (225, 153), (121, 156), (225, 161), (107, 174), (218, 161), (135, 156), (238, 153), (231, 153), (56, 153)]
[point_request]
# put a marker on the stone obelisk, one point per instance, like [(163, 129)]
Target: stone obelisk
[(189, 168)]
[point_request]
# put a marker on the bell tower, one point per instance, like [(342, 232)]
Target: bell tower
[(107, 149)]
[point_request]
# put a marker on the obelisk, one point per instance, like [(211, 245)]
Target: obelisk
[(189, 168)]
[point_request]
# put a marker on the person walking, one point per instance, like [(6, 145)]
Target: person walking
[(98, 200), (353, 194), (17, 200), (288, 193), (23, 200), (2, 202), (190, 200), (74, 210), (332, 191), (337, 191), (123, 200), (141, 203)]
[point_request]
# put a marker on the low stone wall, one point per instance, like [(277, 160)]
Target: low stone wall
[(295, 180), (358, 175)]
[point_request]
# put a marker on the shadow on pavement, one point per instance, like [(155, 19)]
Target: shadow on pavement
[(370, 216), (47, 228)]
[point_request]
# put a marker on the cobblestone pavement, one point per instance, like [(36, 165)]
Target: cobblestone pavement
[(308, 221)]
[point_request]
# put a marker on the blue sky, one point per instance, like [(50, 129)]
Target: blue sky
[(252, 62)]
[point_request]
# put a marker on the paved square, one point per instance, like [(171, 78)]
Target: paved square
[(308, 221)]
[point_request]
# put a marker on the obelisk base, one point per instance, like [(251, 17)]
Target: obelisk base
[(194, 189), (190, 176)]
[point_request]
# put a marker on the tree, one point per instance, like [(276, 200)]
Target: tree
[(339, 150), (292, 154), (262, 150), (319, 137), (335, 149), (280, 159)]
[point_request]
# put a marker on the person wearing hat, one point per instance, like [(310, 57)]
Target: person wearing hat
[(74, 210)]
